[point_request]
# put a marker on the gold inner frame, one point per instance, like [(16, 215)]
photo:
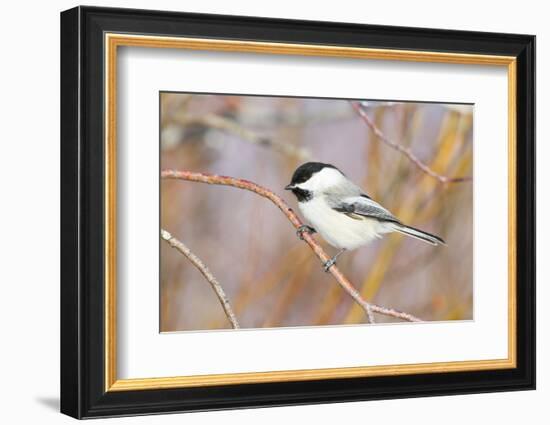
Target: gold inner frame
[(113, 41)]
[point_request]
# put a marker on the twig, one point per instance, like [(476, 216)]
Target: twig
[(296, 222), (196, 261), (402, 149), (232, 127)]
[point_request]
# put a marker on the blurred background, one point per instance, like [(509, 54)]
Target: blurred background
[(273, 279)]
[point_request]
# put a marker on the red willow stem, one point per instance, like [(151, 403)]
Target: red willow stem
[(197, 262), (402, 149), (296, 222)]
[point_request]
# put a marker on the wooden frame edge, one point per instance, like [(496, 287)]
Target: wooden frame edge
[(113, 40), (306, 375)]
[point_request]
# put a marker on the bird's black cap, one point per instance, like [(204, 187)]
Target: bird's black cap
[(304, 172)]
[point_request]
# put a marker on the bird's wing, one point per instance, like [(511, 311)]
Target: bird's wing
[(362, 206)]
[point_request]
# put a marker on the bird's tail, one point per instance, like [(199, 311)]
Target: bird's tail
[(419, 234)]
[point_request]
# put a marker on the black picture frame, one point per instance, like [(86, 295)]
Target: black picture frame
[(83, 392)]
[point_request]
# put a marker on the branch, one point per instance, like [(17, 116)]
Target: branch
[(232, 127), (196, 261), (296, 222), (358, 106)]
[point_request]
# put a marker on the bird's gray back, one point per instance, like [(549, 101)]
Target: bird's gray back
[(343, 190)]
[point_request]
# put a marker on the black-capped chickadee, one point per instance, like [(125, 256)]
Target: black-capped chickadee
[(341, 212)]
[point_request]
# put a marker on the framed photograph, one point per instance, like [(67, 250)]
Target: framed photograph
[(261, 212)]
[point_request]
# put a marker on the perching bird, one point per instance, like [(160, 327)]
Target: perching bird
[(341, 212)]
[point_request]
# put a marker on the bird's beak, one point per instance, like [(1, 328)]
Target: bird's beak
[(289, 187)]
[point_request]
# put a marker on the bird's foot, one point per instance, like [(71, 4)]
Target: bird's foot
[(304, 228), (328, 264)]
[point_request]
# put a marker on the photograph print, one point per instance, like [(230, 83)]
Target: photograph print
[(288, 211)]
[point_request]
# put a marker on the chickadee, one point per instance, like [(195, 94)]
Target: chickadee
[(341, 212)]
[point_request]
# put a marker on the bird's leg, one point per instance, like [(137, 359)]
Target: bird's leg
[(332, 261), (304, 228)]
